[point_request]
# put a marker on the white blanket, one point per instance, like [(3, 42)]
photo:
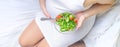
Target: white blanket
[(106, 29), (15, 15)]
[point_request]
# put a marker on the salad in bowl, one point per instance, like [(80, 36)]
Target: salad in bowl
[(66, 22)]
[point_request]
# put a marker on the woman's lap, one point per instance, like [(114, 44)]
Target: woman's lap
[(57, 39)]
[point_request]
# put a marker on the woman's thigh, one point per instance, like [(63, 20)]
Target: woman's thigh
[(31, 35)]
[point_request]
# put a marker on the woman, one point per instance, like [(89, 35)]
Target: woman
[(44, 34)]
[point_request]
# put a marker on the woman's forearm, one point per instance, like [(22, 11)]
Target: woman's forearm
[(99, 6), (96, 9), (43, 8)]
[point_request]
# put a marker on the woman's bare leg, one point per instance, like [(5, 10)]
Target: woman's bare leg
[(31, 35)]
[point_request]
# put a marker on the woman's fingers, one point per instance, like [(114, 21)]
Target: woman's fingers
[(79, 24), (80, 21)]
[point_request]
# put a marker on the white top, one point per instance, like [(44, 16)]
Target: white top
[(59, 6), (54, 37)]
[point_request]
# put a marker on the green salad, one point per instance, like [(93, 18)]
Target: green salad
[(66, 21)]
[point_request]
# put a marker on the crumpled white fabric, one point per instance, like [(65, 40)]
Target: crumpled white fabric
[(15, 15), (106, 29)]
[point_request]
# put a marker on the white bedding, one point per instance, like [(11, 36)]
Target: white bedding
[(27, 8), (15, 15), (106, 29)]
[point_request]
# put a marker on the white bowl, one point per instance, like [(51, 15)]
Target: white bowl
[(57, 27)]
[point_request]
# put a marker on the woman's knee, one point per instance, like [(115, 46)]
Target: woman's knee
[(31, 35), (25, 43)]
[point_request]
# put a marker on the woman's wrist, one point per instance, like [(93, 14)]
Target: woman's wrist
[(85, 15), (44, 10), (88, 13), (81, 14)]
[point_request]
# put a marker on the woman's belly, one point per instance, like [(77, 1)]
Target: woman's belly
[(57, 39), (56, 7)]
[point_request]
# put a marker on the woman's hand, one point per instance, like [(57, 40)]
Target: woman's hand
[(43, 8), (80, 19), (99, 6)]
